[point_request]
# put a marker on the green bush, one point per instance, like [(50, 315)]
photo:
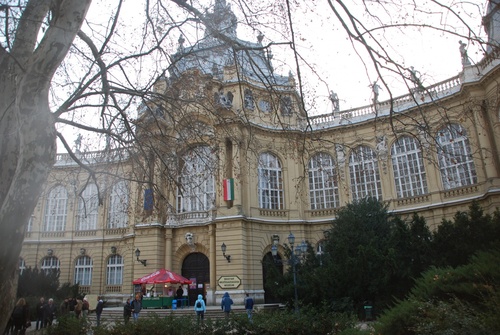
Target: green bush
[(309, 321), (464, 300)]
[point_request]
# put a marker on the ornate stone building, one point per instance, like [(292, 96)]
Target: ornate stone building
[(228, 157)]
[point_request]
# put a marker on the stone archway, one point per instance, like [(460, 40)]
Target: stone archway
[(196, 266), (271, 270)]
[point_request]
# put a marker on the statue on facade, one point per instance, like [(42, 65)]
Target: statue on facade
[(181, 41), (335, 101), (375, 89), (78, 143), (415, 78), (382, 149), (249, 102), (340, 150), (463, 54)]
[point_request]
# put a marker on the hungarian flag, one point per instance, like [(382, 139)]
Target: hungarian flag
[(228, 187)]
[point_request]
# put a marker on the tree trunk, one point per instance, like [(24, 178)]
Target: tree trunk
[(27, 127)]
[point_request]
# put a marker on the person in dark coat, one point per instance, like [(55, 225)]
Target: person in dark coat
[(98, 310), (40, 307), (226, 303), (49, 312), (136, 306), (249, 306), (127, 311), (20, 317)]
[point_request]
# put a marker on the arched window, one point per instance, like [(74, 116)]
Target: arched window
[(270, 188), (408, 165), (56, 209), (323, 186), (118, 205), (114, 270), (196, 191), (88, 205), (49, 264), (455, 158), (83, 271), (364, 174)]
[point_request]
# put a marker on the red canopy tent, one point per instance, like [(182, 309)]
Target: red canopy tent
[(162, 276)]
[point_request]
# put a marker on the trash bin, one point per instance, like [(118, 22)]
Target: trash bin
[(174, 304), (368, 312)]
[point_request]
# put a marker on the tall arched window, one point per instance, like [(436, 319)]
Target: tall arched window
[(56, 210), (49, 264), (323, 186), (197, 185), (114, 270), (88, 205), (408, 165), (83, 271), (270, 187), (118, 205), (455, 158), (364, 174)]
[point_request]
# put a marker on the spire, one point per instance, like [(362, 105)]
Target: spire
[(222, 19), (491, 23)]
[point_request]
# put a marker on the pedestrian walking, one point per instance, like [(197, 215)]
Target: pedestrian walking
[(40, 307), (226, 303), (98, 310), (249, 306), (85, 307), (21, 317), (200, 309), (136, 306), (49, 313), (127, 311)]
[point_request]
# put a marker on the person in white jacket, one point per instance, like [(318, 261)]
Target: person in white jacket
[(200, 308)]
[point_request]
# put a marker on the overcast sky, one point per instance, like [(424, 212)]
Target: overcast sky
[(322, 42)]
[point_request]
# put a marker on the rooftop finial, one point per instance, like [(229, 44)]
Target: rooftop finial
[(260, 37), (181, 44)]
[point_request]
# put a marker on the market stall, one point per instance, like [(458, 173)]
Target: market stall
[(164, 277)]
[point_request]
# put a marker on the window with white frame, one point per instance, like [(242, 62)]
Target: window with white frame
[(29, 226), (118, 205), (455, 157), (83, 271), (88, 206), (114, 270), (323, 185), (196, 191), (270, 188), (56, 210), (408, 165), (364, 174), (49, 264), (22, 265)]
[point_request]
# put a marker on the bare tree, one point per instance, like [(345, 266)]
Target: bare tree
[(60, 69)]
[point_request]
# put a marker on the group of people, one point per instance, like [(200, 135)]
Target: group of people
[(20, 319), (132, 308), (226, 303), (75, 306)]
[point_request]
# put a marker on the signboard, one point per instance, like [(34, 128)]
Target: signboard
[(229, 282)]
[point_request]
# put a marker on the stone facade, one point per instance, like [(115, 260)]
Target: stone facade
[(433, 152)]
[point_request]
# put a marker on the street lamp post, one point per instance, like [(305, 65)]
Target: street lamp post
[(296, 252)]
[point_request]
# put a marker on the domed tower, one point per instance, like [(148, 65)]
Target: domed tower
[(491, 23)]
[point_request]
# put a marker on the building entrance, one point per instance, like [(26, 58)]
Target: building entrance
[(196, 267), (272, 273)]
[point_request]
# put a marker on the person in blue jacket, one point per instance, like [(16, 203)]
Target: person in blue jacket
[(226, 303), (200, 308)]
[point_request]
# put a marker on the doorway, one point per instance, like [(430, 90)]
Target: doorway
[(196, 267)]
